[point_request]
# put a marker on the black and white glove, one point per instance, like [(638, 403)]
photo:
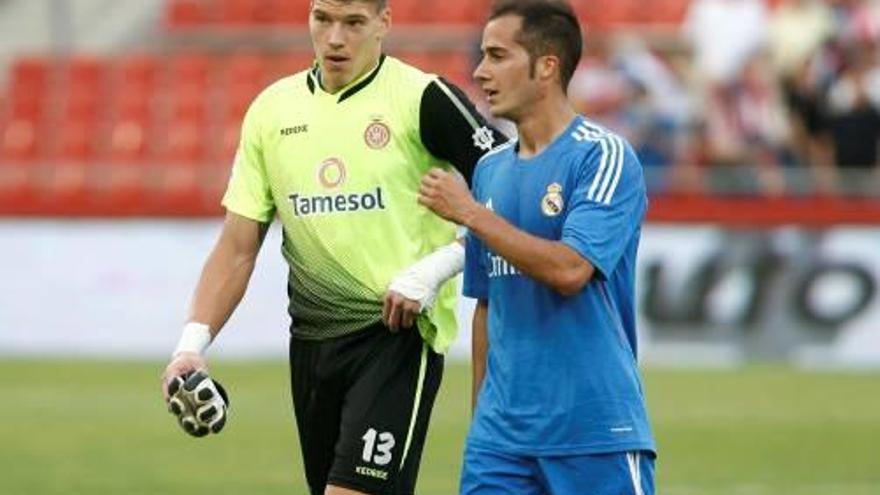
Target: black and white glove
[(199, 403)]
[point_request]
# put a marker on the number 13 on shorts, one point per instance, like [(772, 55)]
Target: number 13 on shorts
[(377, 452)]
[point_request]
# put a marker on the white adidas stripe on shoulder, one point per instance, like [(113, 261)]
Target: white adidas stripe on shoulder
[(602, 165), (616, 180), (610, 168), (606, 190), (498, 149)]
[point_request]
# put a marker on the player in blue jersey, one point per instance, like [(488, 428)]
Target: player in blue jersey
[(554, 227)]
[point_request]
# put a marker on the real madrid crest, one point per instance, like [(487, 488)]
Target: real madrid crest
[(552, 203), (378, 134)]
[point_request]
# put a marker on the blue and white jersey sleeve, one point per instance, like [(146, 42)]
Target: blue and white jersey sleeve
[(476, 278), (608, 204)]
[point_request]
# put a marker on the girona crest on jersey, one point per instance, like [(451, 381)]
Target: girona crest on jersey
[(377, 135)]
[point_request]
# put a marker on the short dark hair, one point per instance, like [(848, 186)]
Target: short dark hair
[(380, 4), (548, 27)]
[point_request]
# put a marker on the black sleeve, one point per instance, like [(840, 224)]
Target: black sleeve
[(453, 130)]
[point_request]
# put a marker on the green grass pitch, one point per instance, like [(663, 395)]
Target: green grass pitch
[(98, 428)]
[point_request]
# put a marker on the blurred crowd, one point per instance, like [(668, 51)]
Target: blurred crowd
[(773, 100)]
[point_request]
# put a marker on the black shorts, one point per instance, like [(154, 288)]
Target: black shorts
[(362, 405)]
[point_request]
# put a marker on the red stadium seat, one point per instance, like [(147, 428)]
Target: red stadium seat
[(407, 11), (455, 66), (64, 187), (29, 72), (238, 12), (292, 12), (28, 106), (224, 152), (287, 64), (668, 11), (213, 182), (132, 102), (422, 60), (244, 68), (19, 141), (16, 187), (236, 101), (454, 12), (128, 142), (183, 142), (119, 188), (27, 92), (131, 114), (607, 15), (139, 70), (185, 13), (83, 71), (188, 104), (81, 103), (76, 142), (81, 88), (177, 187), (191, 69)]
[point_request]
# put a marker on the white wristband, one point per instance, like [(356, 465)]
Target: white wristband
[(421, 281), (196, 337)]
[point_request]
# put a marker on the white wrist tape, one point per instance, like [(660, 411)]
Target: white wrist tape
[(196, 337), (421, 281)]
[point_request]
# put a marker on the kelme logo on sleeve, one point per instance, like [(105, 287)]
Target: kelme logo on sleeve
[(331, 174)]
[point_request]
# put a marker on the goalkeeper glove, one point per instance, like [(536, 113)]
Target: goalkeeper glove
[(200, 404)]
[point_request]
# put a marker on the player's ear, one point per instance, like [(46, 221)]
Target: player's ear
[(385, 21), (548, 67)]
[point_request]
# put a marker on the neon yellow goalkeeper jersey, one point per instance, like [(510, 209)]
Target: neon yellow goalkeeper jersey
[(342, 172)]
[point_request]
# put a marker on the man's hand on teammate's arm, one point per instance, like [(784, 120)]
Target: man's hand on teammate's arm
[(447, 196), (550, 262)]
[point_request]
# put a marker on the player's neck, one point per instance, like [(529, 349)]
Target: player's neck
[(332, 87), (541, 126)]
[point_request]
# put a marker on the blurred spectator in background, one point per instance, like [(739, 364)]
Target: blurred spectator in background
[(854, 110), (746, 124), (804, 93), (724, 34), (857, 20), (597, 88), (742, 122), (638, 93), (798, 28)]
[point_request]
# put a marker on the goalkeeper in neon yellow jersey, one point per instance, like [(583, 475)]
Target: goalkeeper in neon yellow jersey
[(336, 153)]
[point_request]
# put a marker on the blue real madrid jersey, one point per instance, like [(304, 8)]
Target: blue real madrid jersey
[(561, 376)]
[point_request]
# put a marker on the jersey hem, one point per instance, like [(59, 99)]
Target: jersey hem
[(375, 326), (589, 449)]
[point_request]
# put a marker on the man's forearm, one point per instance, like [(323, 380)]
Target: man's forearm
[(220, 288), (549, 262), (479, 350), (227, 272)]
